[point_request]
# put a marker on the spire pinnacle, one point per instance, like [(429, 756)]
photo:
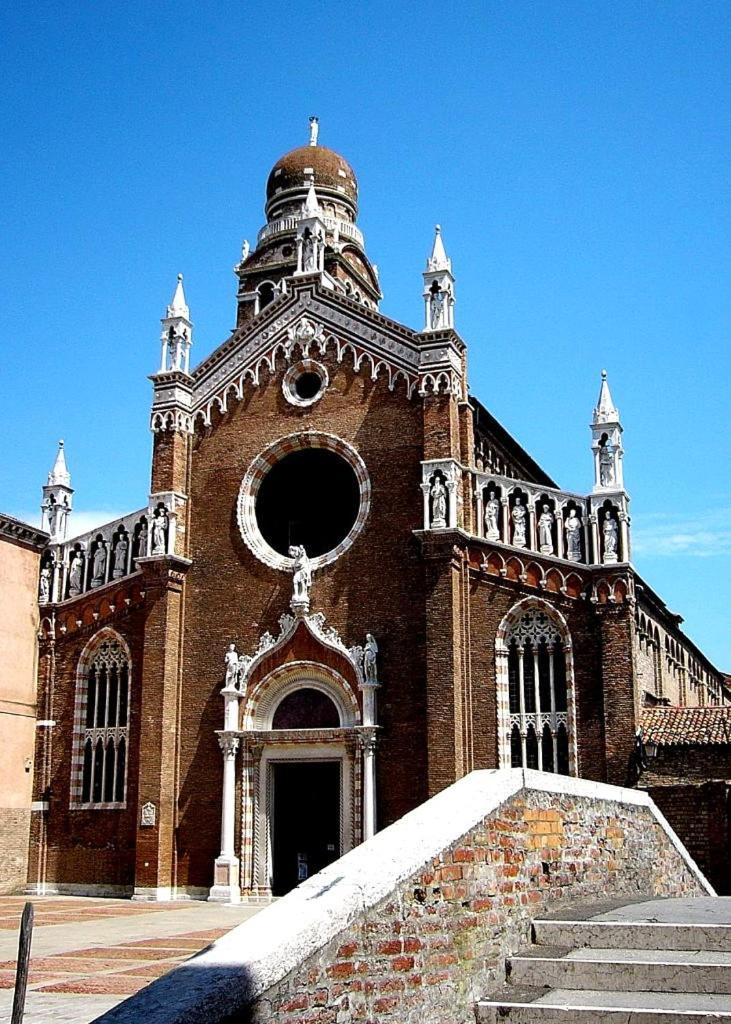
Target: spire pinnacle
[(311, 206), (438, 259), (605, 411), (179, 307), (314, 130), (59, 475)]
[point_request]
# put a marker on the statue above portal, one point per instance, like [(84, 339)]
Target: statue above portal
[(301, 578)]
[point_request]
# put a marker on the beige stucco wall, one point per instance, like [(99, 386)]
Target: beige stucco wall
[(18, 629)]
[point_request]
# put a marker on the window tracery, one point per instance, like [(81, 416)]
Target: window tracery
[(102, 720), (537, 726)]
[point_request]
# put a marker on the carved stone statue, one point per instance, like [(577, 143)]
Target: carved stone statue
[(611, 537), (120, 557), (438, 496), (545, 530), (572, 529), (232, 666), (606, 465), (44, 586), (370, 652), (142, 541), (159, 532), (301, 576), (519, 524), (99, 565), (76, 572), (436, 309), (245, 250), (309, 260), (492, 517)]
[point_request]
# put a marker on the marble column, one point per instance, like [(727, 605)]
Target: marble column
[(225, 888)]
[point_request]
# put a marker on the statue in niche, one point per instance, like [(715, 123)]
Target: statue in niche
[(142, 541), (231, 659), (120, 557), (159, 532), (519, 523), (436, 309), (99, 565), (606, 465), (76, 572), (52, 512), (301, 576), (44, 587), (370, 653), (309, 261), (610, 532), (572, 529), (438, 496), (492, 517), (545, 530)]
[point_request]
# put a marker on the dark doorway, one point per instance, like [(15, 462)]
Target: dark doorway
[(306, 821)]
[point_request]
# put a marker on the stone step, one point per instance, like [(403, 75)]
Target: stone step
[(624, 970), (635, 935), (535, 1006)]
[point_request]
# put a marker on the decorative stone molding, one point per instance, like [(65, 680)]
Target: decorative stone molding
[(294, 373), (246, 504), (328, 636), (424, 364)]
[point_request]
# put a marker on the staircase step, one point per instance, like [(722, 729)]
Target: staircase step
[(625, 970), (583, 1006), (637, 935)]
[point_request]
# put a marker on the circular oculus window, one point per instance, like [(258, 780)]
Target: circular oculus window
[(311, 489), (305, 383)]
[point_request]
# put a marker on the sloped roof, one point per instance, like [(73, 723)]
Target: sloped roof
[(687, 726)]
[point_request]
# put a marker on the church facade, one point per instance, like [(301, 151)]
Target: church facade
[(349, 586)]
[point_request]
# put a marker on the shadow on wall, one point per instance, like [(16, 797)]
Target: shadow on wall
[(419, 919)]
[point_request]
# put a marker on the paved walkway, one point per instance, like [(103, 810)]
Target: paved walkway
[(90, 954)]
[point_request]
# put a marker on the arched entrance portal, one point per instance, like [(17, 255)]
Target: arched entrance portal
[(302, 712), (301, 774)]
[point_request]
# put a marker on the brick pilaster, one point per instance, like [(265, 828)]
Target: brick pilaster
[(159, 726)]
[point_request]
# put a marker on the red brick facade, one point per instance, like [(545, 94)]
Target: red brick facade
[(435, 599)]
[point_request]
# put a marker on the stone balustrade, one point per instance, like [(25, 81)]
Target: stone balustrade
[(334, 225), (109, 552), (592, 529)]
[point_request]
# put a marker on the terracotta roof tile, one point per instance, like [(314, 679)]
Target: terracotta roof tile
[(688, 726)]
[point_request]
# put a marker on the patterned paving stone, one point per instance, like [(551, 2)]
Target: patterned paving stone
[(103, 984)]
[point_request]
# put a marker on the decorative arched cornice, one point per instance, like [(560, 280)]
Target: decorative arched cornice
[(513, 616), (324, 636), (264, 698)]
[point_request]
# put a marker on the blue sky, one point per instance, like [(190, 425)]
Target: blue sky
[(576, 155)]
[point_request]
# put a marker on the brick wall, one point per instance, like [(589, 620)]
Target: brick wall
[(415, 924)]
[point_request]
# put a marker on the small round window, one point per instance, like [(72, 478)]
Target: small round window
[(305, 383)]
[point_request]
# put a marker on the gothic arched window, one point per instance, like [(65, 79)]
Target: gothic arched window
[(102, 726), (535, 726)]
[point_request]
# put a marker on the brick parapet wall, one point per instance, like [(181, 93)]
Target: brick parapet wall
[(415, 924)]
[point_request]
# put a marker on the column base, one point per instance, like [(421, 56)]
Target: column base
[(160, 893), (225, 888)]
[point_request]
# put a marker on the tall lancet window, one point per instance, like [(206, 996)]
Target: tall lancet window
[(535, 695), (102, 725)]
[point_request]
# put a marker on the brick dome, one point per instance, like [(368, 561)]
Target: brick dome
[(298, 167)]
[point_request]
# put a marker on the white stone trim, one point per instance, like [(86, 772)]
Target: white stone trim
[(246, 503), (289, 382), (266, 949)]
